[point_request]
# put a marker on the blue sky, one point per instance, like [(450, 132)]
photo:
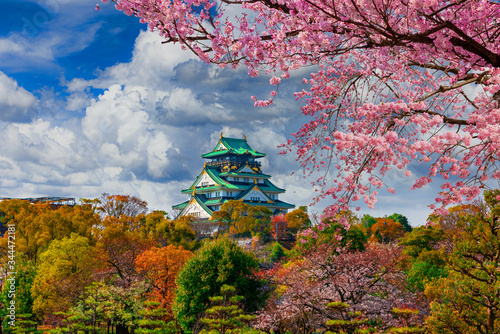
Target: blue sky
[(91, 102)]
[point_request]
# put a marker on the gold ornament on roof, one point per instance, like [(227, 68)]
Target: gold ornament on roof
[(244, 137), (220, 135)]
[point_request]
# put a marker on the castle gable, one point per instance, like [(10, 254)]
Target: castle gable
[(205, 180)]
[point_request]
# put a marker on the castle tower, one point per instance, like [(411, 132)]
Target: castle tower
[(232, 172)]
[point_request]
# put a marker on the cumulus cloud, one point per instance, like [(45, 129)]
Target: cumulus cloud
[(151, 67), (16, 103)]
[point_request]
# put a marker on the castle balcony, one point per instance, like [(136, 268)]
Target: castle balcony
[(233, 162)]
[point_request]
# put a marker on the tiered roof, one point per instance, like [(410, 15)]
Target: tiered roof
[(234, 146)]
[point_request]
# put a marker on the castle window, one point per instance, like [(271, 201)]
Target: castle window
[(204, 184), (255, 199)]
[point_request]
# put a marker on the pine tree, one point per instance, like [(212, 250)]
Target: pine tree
[(277, 252), (347, 322), (225, 315), (152, 320), (405, 316)]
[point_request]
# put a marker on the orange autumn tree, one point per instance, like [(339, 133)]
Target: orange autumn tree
[(386, 230), (120, 242), (160, 267), (118, 205), (38, 224)]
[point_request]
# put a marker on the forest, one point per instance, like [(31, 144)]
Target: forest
[(107, 265)]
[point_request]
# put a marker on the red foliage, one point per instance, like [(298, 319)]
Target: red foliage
[(160, 267), (279, 225)]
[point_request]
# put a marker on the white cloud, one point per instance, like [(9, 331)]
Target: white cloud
[(152, 66), (16, 103)]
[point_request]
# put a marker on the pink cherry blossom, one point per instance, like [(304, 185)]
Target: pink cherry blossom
[(275, 80)]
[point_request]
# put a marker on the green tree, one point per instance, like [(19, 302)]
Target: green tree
[(178, 232), (421, 239), (406, 318), (347, 322), (118, 307), (277, 252), (64, 271), (257, 221), (240, 218), (468, 300), (402, 220), (423, 272), (89, 311), (25, 319), (368, 221), (225, 315), (152, 321), (215, 264), (231, 216), (425, 261)]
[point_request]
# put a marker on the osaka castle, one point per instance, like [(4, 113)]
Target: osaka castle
[(232, 172)]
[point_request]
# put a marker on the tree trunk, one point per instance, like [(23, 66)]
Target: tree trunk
[(121, 329)]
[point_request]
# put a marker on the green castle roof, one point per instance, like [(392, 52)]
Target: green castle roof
[(230, 146), (204, 203), (267, 186)]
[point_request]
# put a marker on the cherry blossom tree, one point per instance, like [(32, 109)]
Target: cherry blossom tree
[(369, 282), (397, 82)]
